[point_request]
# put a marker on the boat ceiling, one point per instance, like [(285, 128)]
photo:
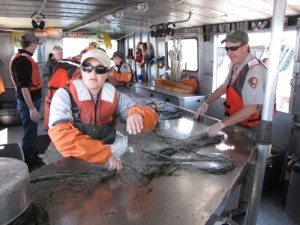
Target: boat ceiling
[(126, 16)]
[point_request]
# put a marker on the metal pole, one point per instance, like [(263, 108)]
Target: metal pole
[(265, 134)]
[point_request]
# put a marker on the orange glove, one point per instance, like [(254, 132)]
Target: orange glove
[(149, 116), (69, 141)]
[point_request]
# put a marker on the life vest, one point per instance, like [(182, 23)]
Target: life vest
[(100, 113), (125, 68), (96, 121), (63, 71), (234, 101), (141, 54), (36, 81)]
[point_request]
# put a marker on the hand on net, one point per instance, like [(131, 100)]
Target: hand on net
[(115, 163), (214, 129)]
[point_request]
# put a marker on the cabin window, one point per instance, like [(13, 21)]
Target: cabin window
[(73, 46), (259, 45), (189, 52), (39, 54)]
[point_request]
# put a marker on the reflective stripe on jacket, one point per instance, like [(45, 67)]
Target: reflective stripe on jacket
[(90, 113)]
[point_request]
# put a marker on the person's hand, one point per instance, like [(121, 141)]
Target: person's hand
[(201, 110), (35, 116), (134, 123), (115, 163), (214, 129)]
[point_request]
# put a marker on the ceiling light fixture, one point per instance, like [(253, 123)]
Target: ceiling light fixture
[(121, 26), (118, 14), (103, 20), (141, 7)]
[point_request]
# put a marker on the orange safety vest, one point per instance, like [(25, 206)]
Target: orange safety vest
[(123, 75), (234, 101), (63, 71), (36, 81), (100, 113)]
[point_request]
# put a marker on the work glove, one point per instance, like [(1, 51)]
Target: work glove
[(214, 129), (35, 116), (201, 110)]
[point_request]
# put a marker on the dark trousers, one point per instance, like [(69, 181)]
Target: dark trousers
[(30, 129)]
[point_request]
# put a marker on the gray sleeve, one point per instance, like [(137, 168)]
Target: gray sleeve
[(253, 90), (60, 108), (47, 70), (125, 68), (124, 104)]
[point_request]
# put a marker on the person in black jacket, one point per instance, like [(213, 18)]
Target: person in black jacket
[(49, 65), (28, 85)]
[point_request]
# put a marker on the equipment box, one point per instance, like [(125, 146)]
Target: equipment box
[(119, 147), (187, 101)]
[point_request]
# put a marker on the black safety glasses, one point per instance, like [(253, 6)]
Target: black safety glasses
[(233, 48), (98, 69)]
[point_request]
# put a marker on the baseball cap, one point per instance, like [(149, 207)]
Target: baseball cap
[(236, 36), (29, 37), (117, 53), (97, 54)]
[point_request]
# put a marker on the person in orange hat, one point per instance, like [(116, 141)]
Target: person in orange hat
[(82, 116)]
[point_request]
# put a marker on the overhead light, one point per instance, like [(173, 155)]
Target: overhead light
[(103, 20), (118, 14), (53, 32), (141, 7), (121, 26)]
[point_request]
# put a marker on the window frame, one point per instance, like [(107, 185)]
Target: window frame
[(196, 57)]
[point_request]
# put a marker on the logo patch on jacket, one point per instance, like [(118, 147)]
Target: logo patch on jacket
[(253, 81)]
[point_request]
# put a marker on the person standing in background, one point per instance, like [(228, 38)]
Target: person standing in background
[(122, 74), (54, 57), (28, 85)]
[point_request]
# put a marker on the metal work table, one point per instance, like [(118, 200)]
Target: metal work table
[(187, 101), (186, 197)]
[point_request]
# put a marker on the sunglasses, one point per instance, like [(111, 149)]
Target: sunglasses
[(233, 48), (98, 69)]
